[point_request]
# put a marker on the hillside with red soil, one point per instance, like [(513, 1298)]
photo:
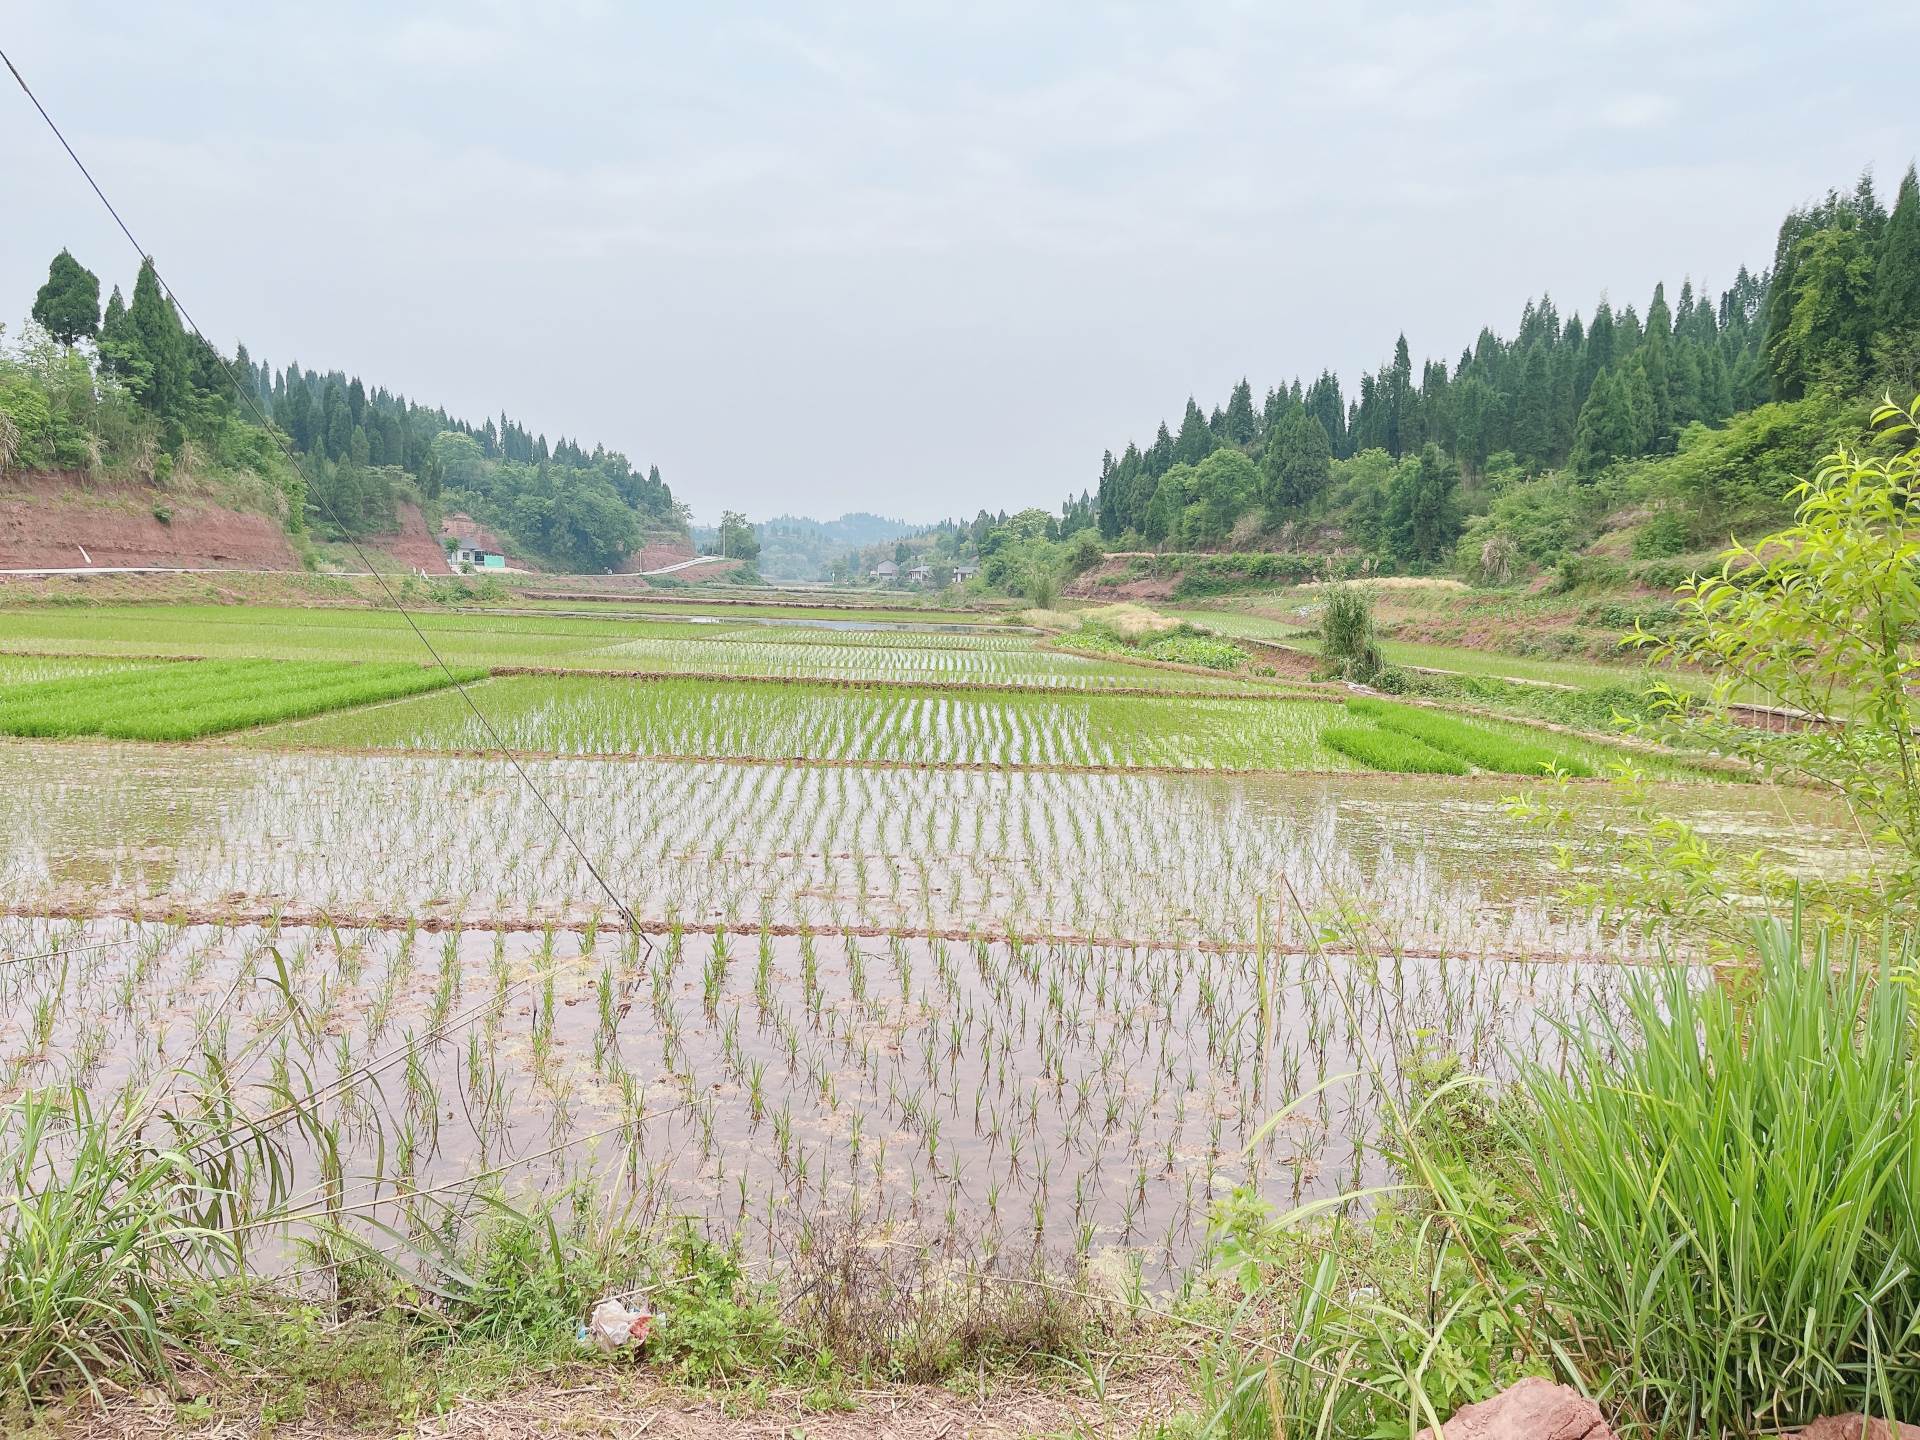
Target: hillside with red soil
[(412, 545), (64, 519)]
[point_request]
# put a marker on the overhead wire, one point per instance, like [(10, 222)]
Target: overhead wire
[(245, 392)]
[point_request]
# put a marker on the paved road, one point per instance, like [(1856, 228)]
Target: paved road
[(684, 565)]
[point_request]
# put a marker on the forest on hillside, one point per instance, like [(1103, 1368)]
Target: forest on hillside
[(1699, 409), (127, 390)]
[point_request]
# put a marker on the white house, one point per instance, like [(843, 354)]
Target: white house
[(965, 572), (468, 551), (886, 570), (921, 573)]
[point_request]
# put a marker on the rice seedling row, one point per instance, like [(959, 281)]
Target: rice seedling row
[(1079, 1099), (582, 716), (1165, 858), (1384, 749), (507, 639), (1487, 745)]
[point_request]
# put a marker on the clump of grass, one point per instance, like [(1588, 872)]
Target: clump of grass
[(1487, 749), (1728, 1192), (1130, 631), (99, 1240), (1346, 634), (1389, 750), (1200, 650)]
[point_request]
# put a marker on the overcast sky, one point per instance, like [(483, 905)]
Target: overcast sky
[(916, 258)]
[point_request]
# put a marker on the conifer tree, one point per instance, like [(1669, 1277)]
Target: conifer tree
[(68, 305), (1599, 352), (1196, 440), (1241, 427), (1896, 293), (160, 379), (116, 351), (1820, 324), (1298, 458), (1162, 519), (1422, 518), (294, 412), (1605, 431)]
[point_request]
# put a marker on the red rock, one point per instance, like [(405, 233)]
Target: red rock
[(1535, 1409), (1854, 1426)]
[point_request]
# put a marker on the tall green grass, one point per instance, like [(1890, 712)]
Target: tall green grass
[(100, 1238), (1728, 1194)]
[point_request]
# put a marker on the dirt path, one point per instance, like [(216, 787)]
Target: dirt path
[(631, 1406)]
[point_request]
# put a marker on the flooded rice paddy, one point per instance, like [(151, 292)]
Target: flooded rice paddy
[(1066, 1097), (984, 983), (1434, 864)]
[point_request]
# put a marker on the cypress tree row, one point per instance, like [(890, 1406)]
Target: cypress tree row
[(1838, 312)]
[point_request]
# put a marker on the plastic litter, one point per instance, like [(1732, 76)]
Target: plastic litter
[(612, 1325)]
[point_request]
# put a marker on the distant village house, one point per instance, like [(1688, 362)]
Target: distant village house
[(467, 551)]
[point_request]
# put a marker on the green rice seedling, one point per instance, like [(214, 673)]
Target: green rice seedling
[(182, 702), (583, 716), (1390, 750), (1502, 749)]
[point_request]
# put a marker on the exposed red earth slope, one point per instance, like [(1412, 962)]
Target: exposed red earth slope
[(58, 518), (412, 545)]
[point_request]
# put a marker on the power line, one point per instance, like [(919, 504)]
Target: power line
[(246, 393)]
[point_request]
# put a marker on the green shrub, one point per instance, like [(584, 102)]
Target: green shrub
[(1204, 650), (1250, 570), (1667, 532), (1578, 572)]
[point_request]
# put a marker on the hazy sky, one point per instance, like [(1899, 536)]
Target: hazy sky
[(916, 258)]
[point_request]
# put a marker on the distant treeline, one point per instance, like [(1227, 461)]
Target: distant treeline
[(794, 547), (1838, 312), (153, 394)]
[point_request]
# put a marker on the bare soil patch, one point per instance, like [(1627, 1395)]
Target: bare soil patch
[(595, 1403)]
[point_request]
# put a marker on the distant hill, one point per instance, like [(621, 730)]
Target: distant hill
[(193, 448), (798, 547)]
